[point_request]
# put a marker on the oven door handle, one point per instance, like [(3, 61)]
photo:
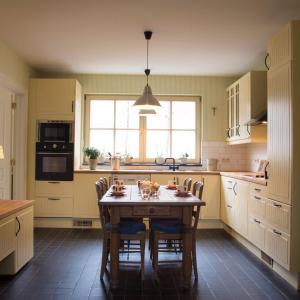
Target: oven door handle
[(54, 153)]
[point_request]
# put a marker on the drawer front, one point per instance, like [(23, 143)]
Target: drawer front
[(7, 237), (256, 232), (257, 189), (151, 211), (277, 246), (257, 206), (54, 187), (278, 215), (53, 206)]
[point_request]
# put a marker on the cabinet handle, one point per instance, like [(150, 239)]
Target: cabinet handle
[(234, 188), (229, 206), (19, 226), (276, 232), (229, 181), (54, 182), (72, 106), (266, 61), (256, 197), (257, 190), (267, 173), (248, 130), (228, 132), (277, 205), (256, 221), (54, 199), (238, 130)]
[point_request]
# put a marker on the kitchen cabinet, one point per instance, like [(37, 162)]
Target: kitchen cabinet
[(24, 235), (54, 199), (16, 239), (85, 198), (246, 98), (283, 192), (234, 204), (54, 98)]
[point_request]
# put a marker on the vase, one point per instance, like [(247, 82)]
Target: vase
[(93, 163)]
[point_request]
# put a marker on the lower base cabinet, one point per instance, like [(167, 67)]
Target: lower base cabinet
[(256, 232), (16, 241)]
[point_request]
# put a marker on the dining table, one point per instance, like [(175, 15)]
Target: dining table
[(164, 205)]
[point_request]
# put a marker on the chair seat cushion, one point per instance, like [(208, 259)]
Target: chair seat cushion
[(128, 227), (166, 227)]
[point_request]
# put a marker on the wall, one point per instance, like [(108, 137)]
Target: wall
[(211, 89), (14, 73)]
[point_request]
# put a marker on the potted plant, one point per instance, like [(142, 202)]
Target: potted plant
[(93, 154), (183, 158)]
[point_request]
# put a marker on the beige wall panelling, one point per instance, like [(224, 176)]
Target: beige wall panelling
[(24, 250)]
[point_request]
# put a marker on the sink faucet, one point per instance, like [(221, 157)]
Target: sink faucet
[(173, 166)]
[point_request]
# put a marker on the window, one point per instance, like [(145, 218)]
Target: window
[(114, 125)]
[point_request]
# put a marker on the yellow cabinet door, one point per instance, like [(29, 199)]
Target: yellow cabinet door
[(85, 197), (54, 96), (163, 179), (24, 233), (7, 237), (227, 195), (279, 134)]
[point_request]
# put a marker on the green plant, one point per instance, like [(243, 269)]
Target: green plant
[(91, 152)]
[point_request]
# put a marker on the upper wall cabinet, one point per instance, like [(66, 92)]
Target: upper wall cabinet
[(246, 98), (54, 98)]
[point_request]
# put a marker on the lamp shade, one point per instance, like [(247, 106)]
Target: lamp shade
[(1, 152), (147, 112), (147, 100)]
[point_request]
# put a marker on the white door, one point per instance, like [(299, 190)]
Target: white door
[(5, 141)]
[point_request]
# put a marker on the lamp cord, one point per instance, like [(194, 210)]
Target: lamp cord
[(147, 60)]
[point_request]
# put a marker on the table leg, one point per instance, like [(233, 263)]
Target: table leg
[(187, 249), (114, 248)]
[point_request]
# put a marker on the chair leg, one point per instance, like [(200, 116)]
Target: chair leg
[(143, 256), (104, 257), (194, 258), (155, 254)]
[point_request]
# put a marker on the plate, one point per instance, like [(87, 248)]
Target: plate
[(118, 194), (183, 194), (171, 187)]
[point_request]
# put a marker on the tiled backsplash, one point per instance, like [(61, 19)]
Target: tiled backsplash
[(234, 157)]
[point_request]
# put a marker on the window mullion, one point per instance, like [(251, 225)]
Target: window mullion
[(170, 130), (114, 129)]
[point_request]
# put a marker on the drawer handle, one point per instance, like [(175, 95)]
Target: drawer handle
[(54, 182), (53, 199), (229, 188), (277, 205), (256, 221), (229, 181), (258, 198), (19, 226), (229, 206), (276, 232), (151, 210), (257, 190)]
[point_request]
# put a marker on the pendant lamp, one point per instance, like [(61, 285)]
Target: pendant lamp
[(147, 101), (147, 112)]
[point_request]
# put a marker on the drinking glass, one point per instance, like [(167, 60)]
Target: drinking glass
[(146, 193)]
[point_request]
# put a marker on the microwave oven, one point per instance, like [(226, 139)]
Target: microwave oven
[(53, 131)]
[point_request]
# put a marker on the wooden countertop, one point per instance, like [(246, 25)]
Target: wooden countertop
[(143, 171), (247, 176), (9, 207)]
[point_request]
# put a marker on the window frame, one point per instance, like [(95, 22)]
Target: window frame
[(143, 123)]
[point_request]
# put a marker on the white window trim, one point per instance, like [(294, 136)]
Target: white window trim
[(142, 122)]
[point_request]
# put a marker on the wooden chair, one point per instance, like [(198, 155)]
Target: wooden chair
[(188, 183), (130, 231), (163, 234)]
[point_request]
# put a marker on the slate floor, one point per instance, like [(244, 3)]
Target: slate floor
[(67, 262)]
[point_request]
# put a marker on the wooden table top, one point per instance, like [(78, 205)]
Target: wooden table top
[(9, 207), (165, 197)]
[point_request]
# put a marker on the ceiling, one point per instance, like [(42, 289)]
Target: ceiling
[(190, 37)]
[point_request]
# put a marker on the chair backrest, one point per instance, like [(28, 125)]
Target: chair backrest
[(105, 183), (197, 191), (188, 182), (103, 210)]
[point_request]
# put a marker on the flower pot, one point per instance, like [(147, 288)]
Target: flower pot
[(93, 163)]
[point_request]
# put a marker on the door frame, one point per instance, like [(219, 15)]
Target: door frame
[(19, 135)]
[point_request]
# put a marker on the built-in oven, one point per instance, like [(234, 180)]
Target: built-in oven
[(54, 161), (51, 131)]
